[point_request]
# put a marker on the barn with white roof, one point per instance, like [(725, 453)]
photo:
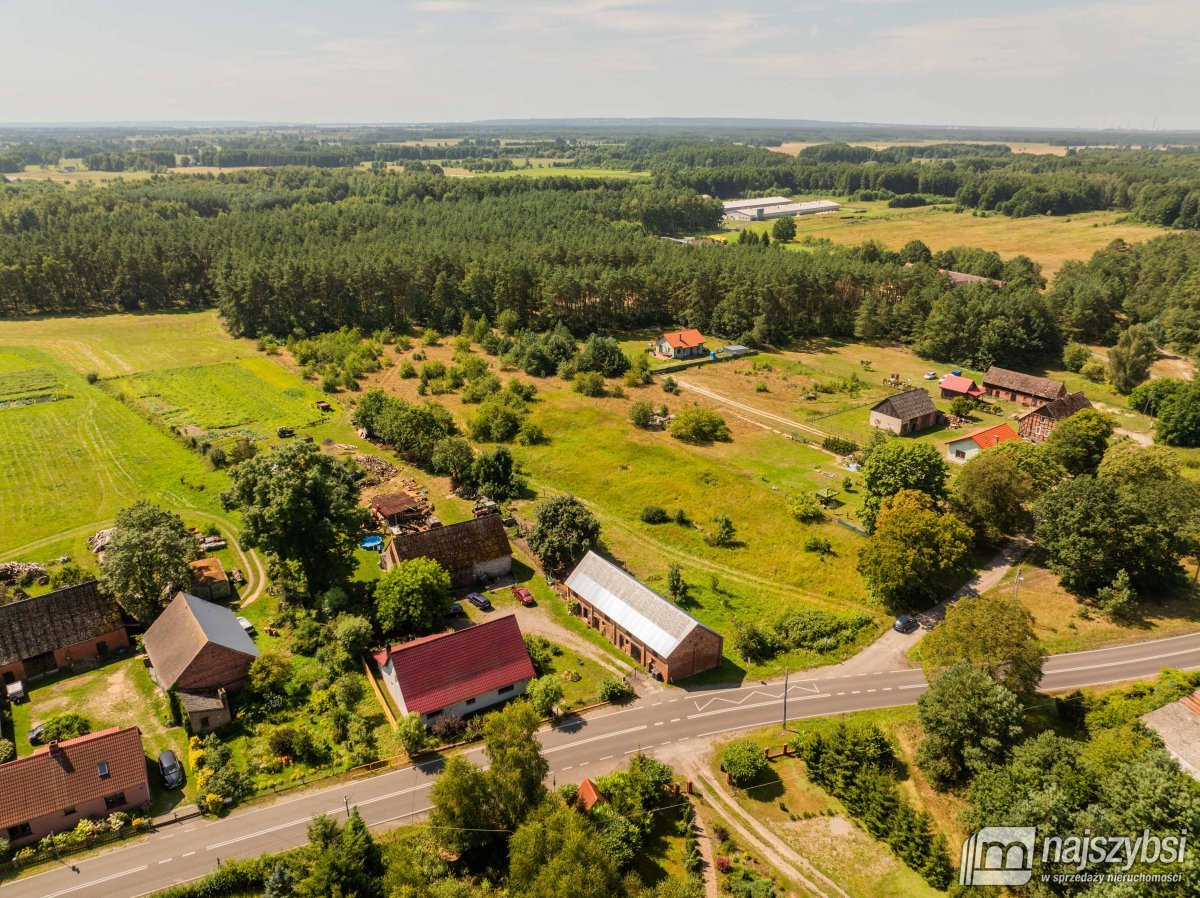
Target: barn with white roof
[(657, 634)]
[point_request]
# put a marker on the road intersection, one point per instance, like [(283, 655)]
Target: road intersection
[(667, 722)]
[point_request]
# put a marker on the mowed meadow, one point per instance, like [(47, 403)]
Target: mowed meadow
[(1048, 240), (70, 460)]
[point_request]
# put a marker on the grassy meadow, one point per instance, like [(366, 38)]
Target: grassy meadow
[(1048, 240)]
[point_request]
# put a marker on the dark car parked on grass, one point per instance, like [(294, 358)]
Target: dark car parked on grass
[(170, 769), (483, 603)]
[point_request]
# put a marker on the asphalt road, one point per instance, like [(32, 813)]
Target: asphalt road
[(667, 723)]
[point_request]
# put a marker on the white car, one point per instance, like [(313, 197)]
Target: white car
[(931, 375), (245, 625)]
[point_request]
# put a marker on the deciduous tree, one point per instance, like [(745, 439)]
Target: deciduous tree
[(992, 634), (896, 465), (563, 531), (413, 597), (146, 558)]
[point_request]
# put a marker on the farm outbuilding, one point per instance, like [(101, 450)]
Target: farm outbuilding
[(472, 551), (955, 385), (1036, 425), (1024, 389), (209, 580), (74, 627), (661, 637), (197, 646), (397, 509), (907, 412), (768, 208)]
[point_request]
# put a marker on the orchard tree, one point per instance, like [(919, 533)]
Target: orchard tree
[(495, 476), (698, 425), (300, 505), (1129, 361), (1079, 443), (563, 531), (896, 465), (412, 597), (146, 558), (991, 634), (453, 457), (916, 557), (970, 721)]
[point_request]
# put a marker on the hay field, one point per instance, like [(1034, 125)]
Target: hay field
[(249, 397), (1048, 240)]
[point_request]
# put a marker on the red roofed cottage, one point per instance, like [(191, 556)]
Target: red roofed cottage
[(688, 344), (964, 447), (50, 790), (460, 672)]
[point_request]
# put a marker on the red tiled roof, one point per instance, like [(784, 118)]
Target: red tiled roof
[(959, 384), (436, 672), (990, 436), (48, 781), (590, 795), (684, 339)]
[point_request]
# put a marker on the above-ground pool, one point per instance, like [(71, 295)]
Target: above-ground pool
[(374, 543)]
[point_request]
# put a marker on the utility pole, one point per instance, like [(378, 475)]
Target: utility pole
[(785, 692), (346, 802), (1017, 586)]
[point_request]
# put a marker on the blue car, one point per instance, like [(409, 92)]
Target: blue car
[(483, 603), (456, 610)]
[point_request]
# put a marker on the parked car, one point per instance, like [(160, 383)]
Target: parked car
[(905, 624), (170, 769), (483, 603), (931, 375), (456, 610), (524, 596), (35, 733), (245, 625)]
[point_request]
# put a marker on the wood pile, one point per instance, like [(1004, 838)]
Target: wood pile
[(377, 467), (23, 572), (98, 541)]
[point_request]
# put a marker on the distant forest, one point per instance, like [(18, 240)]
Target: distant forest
[(294, 251)]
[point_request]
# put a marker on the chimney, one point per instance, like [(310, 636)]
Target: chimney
[(54, 747)]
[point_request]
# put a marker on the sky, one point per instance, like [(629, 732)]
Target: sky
[(1036, 63)]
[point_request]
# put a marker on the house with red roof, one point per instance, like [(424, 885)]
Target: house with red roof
[(54, 788), (590, 795), (688, 344), (457, 673), (962, 448), (955, 385)]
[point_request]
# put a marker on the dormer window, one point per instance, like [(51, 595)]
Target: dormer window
[(102, 769)]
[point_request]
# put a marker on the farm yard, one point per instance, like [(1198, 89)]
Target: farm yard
[(1048, 240)]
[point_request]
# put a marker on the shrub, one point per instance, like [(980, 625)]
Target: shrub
[(806, 508), (541, 652), (839, 446), (407, 370), (679, 516), (817, 544), (1075, 356), (448, 728), (588, 383), (616, 690), (670, 385), (92, 377), (962, 406), (544, 693), (531, 435), (429, 337), (744, 761), (753, 643), (725, 533), (413, 734), (8, 751), (698, 424), (761, 387), (1094, 371), (640, 413), (68, 725), (654, 514)]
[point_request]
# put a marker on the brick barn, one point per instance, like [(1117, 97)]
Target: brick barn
[(471, 552), (52, 789), (657, 634), (1024, 389), (74, 627)]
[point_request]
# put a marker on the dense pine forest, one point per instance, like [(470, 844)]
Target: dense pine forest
[(294, 251)]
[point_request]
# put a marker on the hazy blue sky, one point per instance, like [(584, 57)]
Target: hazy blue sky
[(1080, 63)]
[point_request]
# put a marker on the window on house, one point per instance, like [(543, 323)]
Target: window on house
[(432, 714), (67, 812), (204, 723), (20, 831), (504, 690), (469, 701), (114, 801), (102, 648), (102, 769)]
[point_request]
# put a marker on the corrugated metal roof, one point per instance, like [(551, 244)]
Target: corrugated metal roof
[(633, 605), (756, 202)]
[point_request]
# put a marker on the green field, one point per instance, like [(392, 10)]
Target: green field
[(249, 397), (1048, 240)]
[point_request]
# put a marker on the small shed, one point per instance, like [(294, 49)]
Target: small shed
[(955, 385), (907, 412), (397, 509), (209, 580)]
